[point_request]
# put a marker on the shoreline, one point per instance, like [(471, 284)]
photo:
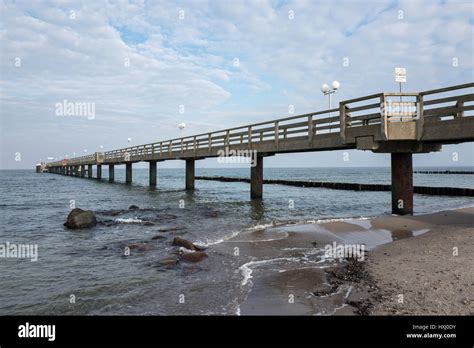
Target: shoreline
[(415, 265), (427, 274)]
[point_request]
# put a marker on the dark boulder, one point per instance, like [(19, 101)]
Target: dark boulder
[(185, 244), (133, 207), (194, 256), (79, 218), (168, 262)]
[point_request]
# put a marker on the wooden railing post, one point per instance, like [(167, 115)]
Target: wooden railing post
[(209, 137), (421, 119), (459, 105), (342, 121), (249, 136), (310, 128), (277, 133), (383, 117)]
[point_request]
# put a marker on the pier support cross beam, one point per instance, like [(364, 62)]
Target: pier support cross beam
[(256, 178), (111, 173), (190, 166), (152, 173), (128, 173), (402, 183), (99, 172)]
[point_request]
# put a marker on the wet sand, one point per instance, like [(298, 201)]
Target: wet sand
[(409, 267), (429, 274)]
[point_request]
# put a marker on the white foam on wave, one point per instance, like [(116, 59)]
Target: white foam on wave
[(328, 220), (247, 268), (264, 226), (129, 221), (233, 234), (209, 242)]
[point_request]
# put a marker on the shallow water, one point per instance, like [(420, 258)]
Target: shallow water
[(91, 265)]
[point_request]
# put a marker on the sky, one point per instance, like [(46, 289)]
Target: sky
[(146, 66)]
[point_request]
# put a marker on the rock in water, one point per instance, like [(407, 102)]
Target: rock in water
[(194, 257), (79, 218), (169, 262), (133, 207), (185, 243)]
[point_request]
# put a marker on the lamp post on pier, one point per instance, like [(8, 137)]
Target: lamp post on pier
[(330, 90)]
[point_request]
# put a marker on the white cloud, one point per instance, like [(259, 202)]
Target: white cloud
[(188, 61)]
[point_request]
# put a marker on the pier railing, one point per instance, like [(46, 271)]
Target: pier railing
[(382, 109)]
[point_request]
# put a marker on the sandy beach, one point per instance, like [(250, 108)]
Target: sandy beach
[(428, 274), (412, 265)]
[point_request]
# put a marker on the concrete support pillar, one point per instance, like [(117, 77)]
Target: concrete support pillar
[(89, 171), (111, 173), (256, 178), (83, 171), (99, 172), (152, 174), (190, 164), (402, 183), (128, 173)]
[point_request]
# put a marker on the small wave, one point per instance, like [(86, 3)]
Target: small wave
[(246, 269), (451, 208), (129, 221), (209, 242), (328, 220)]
